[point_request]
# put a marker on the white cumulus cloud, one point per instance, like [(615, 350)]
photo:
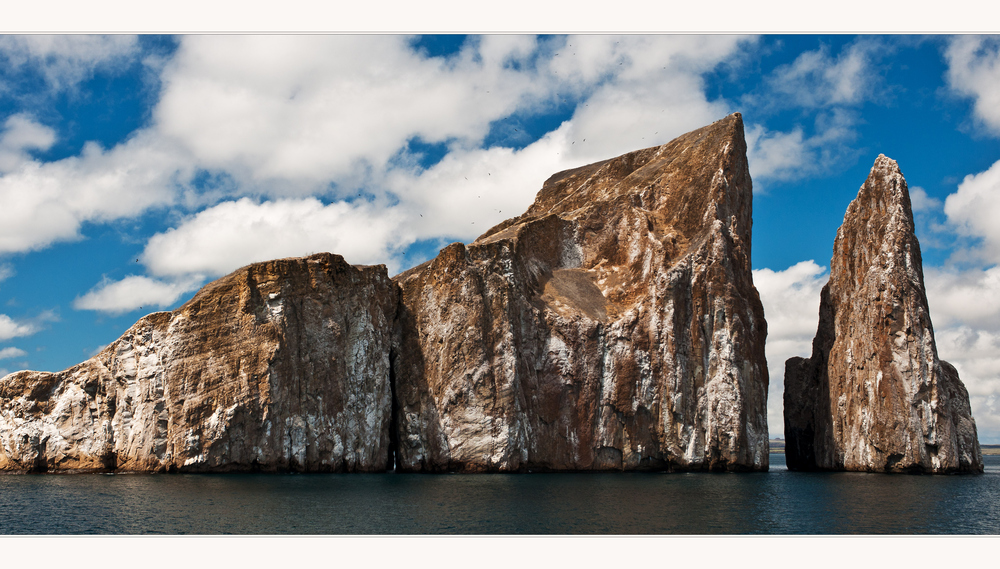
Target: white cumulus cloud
[(791, 306), (973, 211), (11, 352), (47, 202), (20, 134), (964, 297), (10, 328), (777, 155), (116, 297), (974, 71), (234, 233), (469, 191), (304, 110)]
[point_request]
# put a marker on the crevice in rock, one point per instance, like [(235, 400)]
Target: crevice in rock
[(393, 458)]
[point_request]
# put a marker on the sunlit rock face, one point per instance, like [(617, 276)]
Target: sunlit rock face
[(874, 396), (613, 326), (282, 365)]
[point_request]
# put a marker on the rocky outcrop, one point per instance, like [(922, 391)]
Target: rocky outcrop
[(614, 325), (874, 396), (281, 365)]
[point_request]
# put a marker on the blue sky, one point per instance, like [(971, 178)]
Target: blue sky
[(134, 169)]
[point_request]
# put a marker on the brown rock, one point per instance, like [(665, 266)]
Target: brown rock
[(614, 325), (278, 366), (874, 396)]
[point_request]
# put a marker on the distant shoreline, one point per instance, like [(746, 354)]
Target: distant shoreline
[(778, 447)]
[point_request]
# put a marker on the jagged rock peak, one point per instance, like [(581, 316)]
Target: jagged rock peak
[(614, 325), (701, 154), (874, 396)]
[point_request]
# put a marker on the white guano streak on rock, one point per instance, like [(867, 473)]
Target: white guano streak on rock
[(133, 403)]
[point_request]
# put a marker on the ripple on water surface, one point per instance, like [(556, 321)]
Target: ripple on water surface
[(777, 502)]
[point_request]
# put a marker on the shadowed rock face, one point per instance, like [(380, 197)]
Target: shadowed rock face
[(278, 366), (874, 396), (614, 325)]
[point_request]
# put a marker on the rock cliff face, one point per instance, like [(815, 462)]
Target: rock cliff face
[(874, 396), (281, 365), (614, 325)]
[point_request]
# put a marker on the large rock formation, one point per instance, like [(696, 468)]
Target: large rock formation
[(614, 325), (281, 365), (874, 396)]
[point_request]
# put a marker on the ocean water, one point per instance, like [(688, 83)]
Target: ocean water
[(776, 502)]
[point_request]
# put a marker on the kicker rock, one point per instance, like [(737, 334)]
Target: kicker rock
[(874, 396), (282, 365), (614, 325)]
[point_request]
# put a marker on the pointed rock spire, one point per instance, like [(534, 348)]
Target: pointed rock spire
[(874, 396)]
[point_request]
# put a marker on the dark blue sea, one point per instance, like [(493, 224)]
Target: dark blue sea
[(776, 502)]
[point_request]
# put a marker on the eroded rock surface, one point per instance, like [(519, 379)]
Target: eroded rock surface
[(874, 396), (282, 365), (614, 325)]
